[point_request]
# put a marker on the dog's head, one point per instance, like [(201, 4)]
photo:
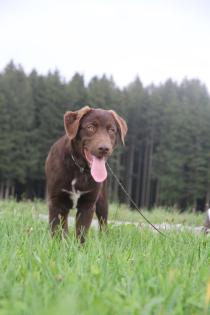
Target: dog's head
[(96, 133)]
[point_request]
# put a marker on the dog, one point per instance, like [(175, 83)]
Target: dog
[(76, 168)]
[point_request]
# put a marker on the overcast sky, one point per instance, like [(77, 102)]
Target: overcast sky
[(153, 39)]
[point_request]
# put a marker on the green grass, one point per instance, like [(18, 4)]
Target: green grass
[(158, 215), (124, 271), (117, 212)]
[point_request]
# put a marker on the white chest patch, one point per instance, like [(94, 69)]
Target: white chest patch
[(74, 195)]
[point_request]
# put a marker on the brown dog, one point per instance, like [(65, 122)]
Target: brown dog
[(75, 168)]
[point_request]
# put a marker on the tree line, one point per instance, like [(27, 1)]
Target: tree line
[(166, 159)]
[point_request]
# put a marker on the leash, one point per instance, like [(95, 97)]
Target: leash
[(132, 201)]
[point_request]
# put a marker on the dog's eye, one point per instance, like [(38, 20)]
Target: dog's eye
[(91, 128), (111, 131)]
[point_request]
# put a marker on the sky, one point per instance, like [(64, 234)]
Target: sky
[(154, 40)]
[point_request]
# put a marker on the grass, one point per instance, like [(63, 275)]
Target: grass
[(117, 212), (124, 271), (158, 215)]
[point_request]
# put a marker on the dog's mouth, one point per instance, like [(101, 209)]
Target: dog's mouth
[(97, 166)]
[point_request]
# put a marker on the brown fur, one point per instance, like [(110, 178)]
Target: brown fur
[(67, 169)]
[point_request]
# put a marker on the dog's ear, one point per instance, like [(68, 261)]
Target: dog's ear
[(122, 126), (72, 120)]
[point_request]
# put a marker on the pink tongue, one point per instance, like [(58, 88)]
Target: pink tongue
[(98, 169)]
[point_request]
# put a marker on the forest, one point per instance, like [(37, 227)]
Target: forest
[(166, 157)]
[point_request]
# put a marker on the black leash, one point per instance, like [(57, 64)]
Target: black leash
[(132, 201)]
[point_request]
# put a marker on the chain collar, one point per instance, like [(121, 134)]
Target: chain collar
[(82, 169)]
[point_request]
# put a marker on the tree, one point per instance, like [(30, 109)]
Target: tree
[(17, 121)]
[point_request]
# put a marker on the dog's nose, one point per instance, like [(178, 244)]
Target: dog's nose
[(103, 149)]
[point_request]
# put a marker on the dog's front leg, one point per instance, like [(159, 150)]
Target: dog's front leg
[(58, 217), (102, 207), (85, 211)]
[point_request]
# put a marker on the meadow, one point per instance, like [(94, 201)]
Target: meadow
[(126, 270)]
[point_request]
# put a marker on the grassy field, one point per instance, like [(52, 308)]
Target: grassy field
[(124, 271), (116, 212)]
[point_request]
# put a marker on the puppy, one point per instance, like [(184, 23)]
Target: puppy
[(76, 168)]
